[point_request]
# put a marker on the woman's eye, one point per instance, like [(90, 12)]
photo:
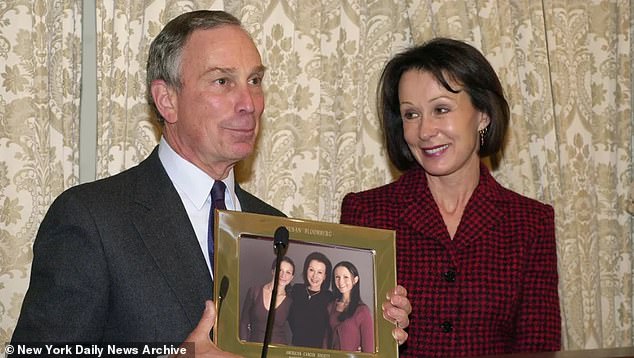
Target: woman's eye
[(409, 115), (442, 110), (221, 81)]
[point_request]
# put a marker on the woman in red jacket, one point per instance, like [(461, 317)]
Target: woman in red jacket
[(478, 260)]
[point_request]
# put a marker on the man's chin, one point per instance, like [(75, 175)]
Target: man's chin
[(242, 151)]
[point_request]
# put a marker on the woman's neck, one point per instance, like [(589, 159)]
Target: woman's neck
[(453, 192), (450, 191), (281, 289)]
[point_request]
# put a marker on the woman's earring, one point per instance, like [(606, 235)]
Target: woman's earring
[(483, 132)]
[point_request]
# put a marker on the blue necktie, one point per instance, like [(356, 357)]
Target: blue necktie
[(217, 202)]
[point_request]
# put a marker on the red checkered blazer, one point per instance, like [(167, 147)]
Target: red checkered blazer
[(490, 290)]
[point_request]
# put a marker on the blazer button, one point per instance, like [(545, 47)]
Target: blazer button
[(450, 275), (446, 327)]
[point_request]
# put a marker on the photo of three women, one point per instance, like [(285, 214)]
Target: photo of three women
[(325, 311)]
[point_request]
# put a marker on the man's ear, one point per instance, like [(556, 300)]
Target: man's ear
[(165, 100)]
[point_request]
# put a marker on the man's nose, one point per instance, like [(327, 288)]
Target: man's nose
[(245, 100)]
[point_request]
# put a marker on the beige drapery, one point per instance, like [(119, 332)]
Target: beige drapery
[(40, 52), (566, 67)]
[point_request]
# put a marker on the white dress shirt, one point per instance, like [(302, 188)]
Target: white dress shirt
[(194, 188)]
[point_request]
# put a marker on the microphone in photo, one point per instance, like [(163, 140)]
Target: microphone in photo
[(280, 244), (280, 240)]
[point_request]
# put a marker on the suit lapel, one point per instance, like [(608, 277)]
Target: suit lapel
[(251, 204), (164, 227), (245, 203)]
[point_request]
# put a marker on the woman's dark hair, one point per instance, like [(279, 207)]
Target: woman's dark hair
[(290, 262), (355, 293), (164, 59), (318, 256), (446, 60)]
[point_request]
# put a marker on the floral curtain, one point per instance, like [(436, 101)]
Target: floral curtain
[(40, 52), (566, 67)]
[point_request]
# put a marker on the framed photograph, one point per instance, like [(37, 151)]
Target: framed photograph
[(332, 281)]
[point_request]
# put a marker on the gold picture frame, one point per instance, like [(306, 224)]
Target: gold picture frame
[(244, 254)]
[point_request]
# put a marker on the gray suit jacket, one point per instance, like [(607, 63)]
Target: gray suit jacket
[(117, 260)]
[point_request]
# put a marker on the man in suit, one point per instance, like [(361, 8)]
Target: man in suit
[(125, 259)]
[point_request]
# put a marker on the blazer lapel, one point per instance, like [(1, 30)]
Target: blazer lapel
[(415, 210), (483, 212), (164, 227)]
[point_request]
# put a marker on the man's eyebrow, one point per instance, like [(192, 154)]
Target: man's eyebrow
[(227, 70), (231, 70), (260, 69)]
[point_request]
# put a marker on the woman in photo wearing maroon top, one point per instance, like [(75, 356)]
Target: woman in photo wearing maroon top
[(351, 325), (478, 261), (255, 310)]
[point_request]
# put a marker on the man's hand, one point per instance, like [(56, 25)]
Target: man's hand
[(396, 309), (199, 339)]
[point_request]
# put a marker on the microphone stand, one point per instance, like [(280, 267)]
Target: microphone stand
[(280, 242)]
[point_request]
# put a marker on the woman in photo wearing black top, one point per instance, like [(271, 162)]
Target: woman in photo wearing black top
[(308, 317)]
